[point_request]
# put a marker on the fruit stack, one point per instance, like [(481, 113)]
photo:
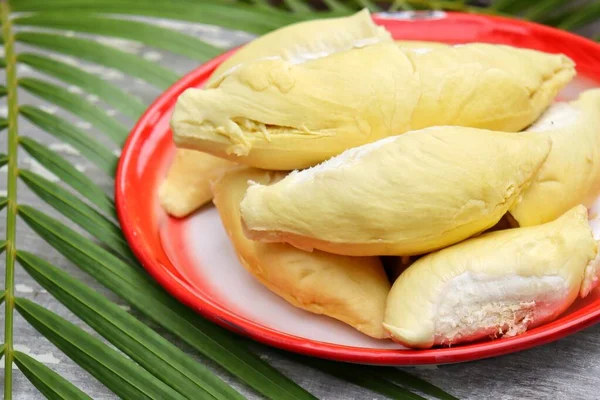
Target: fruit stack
[(327, 144)]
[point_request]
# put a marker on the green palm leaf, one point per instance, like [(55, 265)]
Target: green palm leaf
[(121, 375), (48, 382), (79, 212), (69, 175), (408, 380), (89, 147), (238, 16), (580, 16), (150, 35), (111, 94), (101, 54), (365, 378), (77, 105), (542, 8), (297, 6), (142, 344)]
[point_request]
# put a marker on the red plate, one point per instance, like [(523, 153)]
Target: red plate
[(196, 263)]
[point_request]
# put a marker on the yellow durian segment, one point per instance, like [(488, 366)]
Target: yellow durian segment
[(420, 46), (309, 39), (500, 283), (275, 114), (187, 184), (571, 174), (403, 195), (350, 289)]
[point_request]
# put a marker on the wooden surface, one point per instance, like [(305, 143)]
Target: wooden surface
[(567, 369)]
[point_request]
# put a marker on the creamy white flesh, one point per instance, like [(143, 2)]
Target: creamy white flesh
[(346, 159), (475, 305)]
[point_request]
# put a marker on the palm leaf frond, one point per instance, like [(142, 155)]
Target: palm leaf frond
[(100, 54), (48, 382), (232, 16), (580, 16), (125, 103), (150, 35), (89, 147), (120, 374), (362, 377), (69, 174), (79, 212), (142, 344), (77, 105)]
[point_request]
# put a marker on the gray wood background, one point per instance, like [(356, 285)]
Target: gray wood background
[(567, 369)]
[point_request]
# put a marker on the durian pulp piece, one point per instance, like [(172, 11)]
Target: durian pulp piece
[(351, 289), (500, 283), (276, 115), (571, 174), (403, 195), (420, 46), (308, 40), (187, 184)]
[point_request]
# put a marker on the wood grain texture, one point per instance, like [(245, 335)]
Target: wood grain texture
[(566, 369)]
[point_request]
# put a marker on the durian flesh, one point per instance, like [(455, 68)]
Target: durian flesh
[(403, 195), (275, 114), (350, 289), (308, 40), (500, 283), (571, 174), (187, 184)]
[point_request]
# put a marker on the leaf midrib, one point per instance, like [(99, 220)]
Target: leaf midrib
[(11, 212)]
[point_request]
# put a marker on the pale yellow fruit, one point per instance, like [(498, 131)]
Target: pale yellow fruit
[(501, 283), (187, 184), (350, 289), (275, 114), (403, 195), (420, 46), (571, 174), (306, 40)]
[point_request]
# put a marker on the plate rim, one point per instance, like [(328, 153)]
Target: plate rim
[(228, 320)]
